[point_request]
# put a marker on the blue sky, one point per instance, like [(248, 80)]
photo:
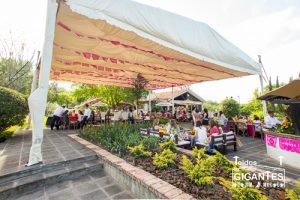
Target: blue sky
[(270, 28)]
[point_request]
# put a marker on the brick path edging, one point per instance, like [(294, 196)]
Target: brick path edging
[(161, 188)]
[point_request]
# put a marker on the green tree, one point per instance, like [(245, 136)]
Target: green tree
[(13, 108), (280, 107), (230, 107), (270, 89), (66, 98), (254, 106), (211, 105), (111, 95), (15, 69), (54, 91)]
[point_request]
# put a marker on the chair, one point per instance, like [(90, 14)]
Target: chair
[(144, 131), (217, 141), (229, 139), (183, 144), (73, 124), (242, 127), (102, 114), (124, 116), (97, 119), (116, 117)]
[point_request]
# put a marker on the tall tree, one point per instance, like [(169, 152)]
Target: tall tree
[(15, 68), (111, 95), (270, 85), (139, 88), (230, 107), (211, 105), (277, 86), (270, 89), (277, 82)]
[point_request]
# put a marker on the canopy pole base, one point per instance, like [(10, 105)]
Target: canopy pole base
[(37, 106)]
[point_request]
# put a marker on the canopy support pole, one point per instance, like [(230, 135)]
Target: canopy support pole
[(262, 88), (34, 84), (38, 99), (173, 109)]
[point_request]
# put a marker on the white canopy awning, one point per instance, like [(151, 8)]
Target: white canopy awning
[(107, 42), (164, 103)]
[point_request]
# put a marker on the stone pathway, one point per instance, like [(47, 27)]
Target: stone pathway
[(96, 186), (14, 152), (57, 147)]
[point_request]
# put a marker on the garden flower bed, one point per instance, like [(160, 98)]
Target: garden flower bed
[(199, 175)]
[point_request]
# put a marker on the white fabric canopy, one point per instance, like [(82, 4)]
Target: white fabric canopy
[(108, 42), (164, 104)]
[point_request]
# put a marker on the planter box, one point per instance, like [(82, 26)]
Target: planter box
[(141, 183), (285, 145)]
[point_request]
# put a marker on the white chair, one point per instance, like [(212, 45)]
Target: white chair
[(124, 115), (116, 116)]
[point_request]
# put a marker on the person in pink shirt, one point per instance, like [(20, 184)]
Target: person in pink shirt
[(213, 130)]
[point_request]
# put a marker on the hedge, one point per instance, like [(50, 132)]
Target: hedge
[(13, 108)]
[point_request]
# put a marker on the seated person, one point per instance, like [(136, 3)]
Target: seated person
[(168, 127), (80, 118), (174, 130), (256, 119), (155, 125), (200, 135), (236, 117), (66, 119), (257, 124), (213, 131), (271, 121)]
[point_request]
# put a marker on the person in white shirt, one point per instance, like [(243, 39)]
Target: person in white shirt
[(56, 117), (86, 115), (271, 121)]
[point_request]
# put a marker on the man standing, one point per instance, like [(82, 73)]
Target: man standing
[(56, 117), (271, 121), (86, 115)]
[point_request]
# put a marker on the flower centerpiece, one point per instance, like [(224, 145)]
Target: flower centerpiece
[(163, 131), (286, 127), (192, 132)]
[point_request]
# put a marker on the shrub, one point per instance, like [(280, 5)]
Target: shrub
[(201, 173), (199, 153), (165, 159), (150, 142), (116, 138), (230, 107), (13, 108), (293, 193), (243, 193), (170, 144), (139, 151), (208, 169)]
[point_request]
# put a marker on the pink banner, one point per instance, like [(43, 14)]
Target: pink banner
[(289, 145), (271, 140)]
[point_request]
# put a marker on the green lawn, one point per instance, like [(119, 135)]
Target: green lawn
[(10, 131)]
